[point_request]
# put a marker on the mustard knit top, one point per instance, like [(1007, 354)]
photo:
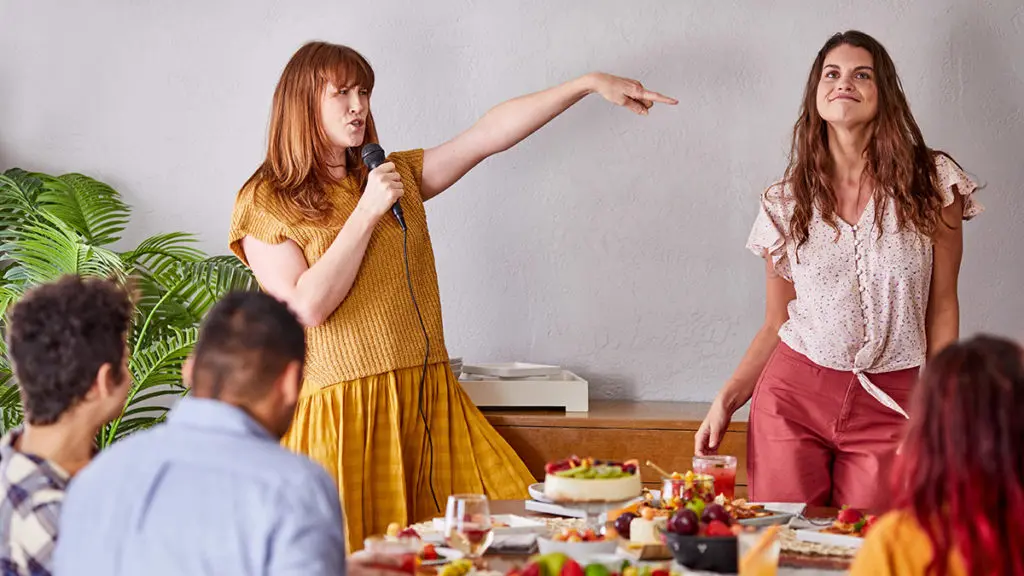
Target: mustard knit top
[(375, 329)]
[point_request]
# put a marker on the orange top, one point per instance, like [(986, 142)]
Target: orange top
[(375, 329), (897, 546)]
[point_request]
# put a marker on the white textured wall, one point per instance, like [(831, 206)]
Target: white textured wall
[(608, 243)]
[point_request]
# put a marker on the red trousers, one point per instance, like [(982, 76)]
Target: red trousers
[(816, 436)]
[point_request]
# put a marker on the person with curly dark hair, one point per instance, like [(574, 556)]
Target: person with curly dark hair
[(67, 341)]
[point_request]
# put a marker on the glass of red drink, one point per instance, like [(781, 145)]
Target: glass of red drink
[(467, 524), (722, 469)]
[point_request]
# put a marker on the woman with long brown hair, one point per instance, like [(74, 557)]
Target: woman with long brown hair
[(862, 241), (381, 408), (959, 479)]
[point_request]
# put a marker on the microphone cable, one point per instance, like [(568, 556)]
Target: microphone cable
[(373, 156), (423, 373)]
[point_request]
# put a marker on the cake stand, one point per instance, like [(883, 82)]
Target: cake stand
[(595, 512)]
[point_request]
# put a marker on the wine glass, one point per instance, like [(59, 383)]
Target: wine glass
[(467, 524)]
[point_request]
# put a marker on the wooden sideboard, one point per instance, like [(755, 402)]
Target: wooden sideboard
[(661, 432)]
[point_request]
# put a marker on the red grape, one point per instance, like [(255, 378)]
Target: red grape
[(716, 512), (622, 524), (684, 522)]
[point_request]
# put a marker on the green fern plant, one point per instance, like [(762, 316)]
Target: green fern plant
[(56, 225)]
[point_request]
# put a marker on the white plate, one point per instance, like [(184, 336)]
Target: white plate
[(445, 554), (537, 493), (511, 370), (776, 518), (514, 525), (816, 535), (579, 551)]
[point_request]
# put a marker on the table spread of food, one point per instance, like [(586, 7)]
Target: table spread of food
[(613, 526)]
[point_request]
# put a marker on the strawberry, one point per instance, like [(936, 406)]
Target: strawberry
[(410, 562), (571, 568), (870, 521), (660, 572), (718, 528), (429, 552), (849, 515), (408, 533)]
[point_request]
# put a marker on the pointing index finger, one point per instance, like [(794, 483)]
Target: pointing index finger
[(656, 97)]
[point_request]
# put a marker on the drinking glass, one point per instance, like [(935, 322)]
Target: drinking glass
[(722, 469), (679, 491), (758, 551), (467, 524), (404, 552)]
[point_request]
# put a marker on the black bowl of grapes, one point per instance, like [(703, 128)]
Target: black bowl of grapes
[(703, 538)]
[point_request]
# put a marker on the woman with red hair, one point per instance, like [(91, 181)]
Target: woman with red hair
[(380, 408), (960, 478)]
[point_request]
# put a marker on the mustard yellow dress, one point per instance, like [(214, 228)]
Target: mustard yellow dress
[(359, 412)]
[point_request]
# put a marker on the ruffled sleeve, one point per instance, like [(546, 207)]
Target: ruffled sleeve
[(950, 176), (254, 215), (767, 238)]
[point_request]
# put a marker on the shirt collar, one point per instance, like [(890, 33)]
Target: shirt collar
[(49, 469), (192, 412)]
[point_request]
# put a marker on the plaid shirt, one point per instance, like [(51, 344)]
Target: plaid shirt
[(32, 490)]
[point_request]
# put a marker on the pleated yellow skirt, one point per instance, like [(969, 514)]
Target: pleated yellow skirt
[(370, 436)]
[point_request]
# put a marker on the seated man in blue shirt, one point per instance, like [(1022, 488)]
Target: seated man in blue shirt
[(212, 491)]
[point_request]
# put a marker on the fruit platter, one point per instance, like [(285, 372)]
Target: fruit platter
[(695, 491), (423, 553), (560, 564)]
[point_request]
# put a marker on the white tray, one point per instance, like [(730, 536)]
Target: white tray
[(564, 390), (511, 370)]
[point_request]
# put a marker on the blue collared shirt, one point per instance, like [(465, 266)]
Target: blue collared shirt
[(209, 492)]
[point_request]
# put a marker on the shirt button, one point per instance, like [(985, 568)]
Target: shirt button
[(854, 227)]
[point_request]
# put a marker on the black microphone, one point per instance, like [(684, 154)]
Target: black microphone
[(373, 156)]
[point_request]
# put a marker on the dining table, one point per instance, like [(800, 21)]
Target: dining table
[(794, 564)]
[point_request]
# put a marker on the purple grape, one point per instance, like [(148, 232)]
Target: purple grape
[(622, 524), (716, 512), (684, 522)]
